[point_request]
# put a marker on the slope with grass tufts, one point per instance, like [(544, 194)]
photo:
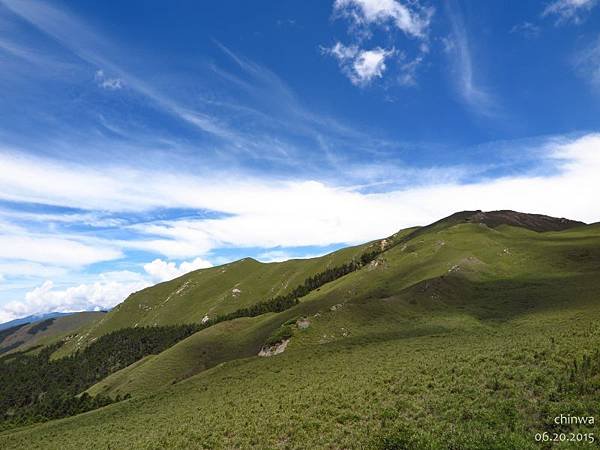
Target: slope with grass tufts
[(464, 334)]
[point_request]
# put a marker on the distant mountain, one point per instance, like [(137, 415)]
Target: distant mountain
[(44, 329), (31, 319)]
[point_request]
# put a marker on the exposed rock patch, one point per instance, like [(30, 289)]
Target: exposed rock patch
[(274, 349), (383, 244), (379, 262), (303, 323)]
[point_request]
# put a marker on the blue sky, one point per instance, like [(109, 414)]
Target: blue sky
[(140, 140)]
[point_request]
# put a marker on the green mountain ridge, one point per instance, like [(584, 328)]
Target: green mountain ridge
[(214, 291), (478, 317)]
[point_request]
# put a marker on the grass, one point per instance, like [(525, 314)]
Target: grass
[(469, 386), (464, 337), (213, 291), (46, 332)]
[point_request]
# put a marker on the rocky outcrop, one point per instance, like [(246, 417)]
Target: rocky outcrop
[(274, 349)]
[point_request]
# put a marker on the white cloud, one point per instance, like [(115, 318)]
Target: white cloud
[(458, 50), (370, 64), (411, 18), (93, 48), (360, 66), (161, 270), (276, 215), (343, 52), (569, 10), (264, 213), (408, 73), (30, 270), (313, 213), (53, 250), (527, 29), (112, 84), (587, 63), (281, 255), (103, 294), (110, 289)]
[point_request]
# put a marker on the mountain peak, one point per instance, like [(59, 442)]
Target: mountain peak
[(534, 222)]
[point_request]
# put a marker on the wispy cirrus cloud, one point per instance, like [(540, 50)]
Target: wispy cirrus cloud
[(527, 29), (569, 11), (587, 63), (266, 124), (458, 50)]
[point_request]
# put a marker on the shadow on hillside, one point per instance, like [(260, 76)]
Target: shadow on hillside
[(506, 299)]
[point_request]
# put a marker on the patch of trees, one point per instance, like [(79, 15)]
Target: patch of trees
[(8, 331), (41, 326), (10, 347), (35, 388)]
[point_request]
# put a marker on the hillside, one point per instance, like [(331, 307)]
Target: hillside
[(473, 332), (217, 290), (41, 332), (30, 319)]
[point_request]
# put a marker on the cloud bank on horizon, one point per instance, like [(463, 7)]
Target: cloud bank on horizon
[(120, 172)]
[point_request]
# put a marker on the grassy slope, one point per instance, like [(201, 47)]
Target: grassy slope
[(440, 263), (225, 341), (466, 328), (58, 329), (211, 292)]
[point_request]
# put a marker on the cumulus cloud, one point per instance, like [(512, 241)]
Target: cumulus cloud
[(411, 18), (111, 289), (161, 270), (573, 11), (361, 66)]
